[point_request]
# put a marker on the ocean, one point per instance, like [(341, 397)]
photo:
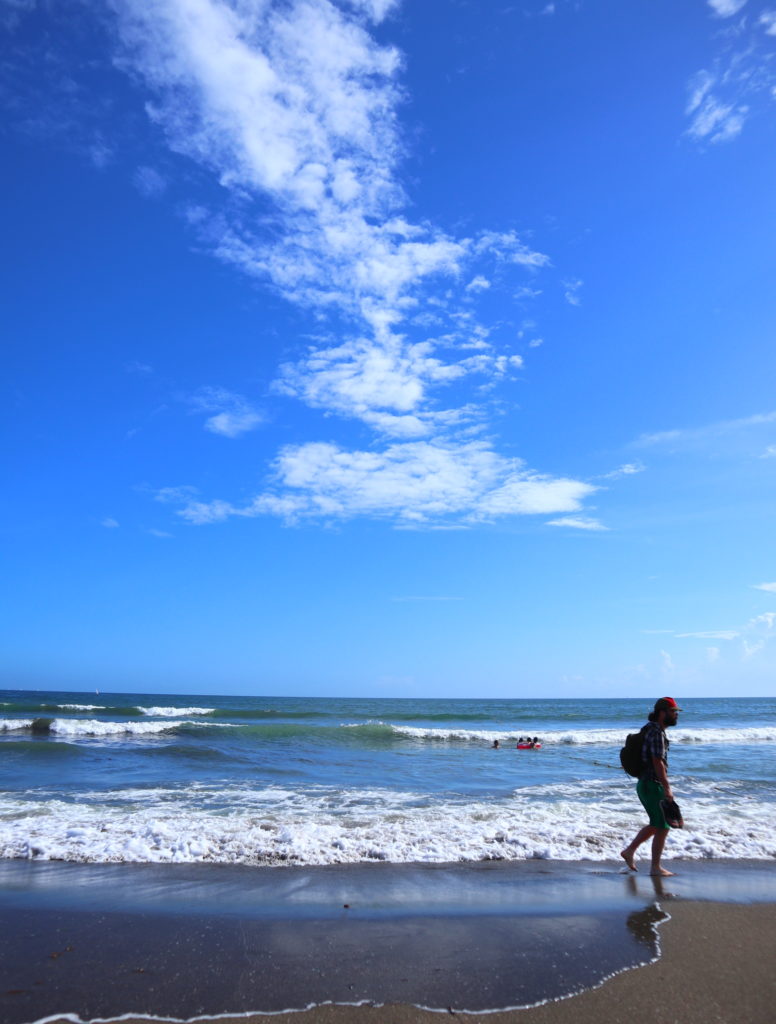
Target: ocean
[(148, 778)]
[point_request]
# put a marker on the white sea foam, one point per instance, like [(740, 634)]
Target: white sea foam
[(14, 724), (586, 737), (74, 727), (175, 712), (328, 825), (80, 707)]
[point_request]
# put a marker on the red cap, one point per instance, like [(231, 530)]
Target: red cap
[(666, 704)]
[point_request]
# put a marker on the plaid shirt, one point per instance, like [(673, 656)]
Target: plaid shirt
[(655, 745)]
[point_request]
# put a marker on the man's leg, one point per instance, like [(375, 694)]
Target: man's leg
[(641, 837), (657, 852)]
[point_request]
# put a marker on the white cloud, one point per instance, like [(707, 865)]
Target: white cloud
[(770, 452), (699, 87), (233, 415), (298, 102), (668, 663), (535, 342), (508, 247), (766, 619), (478, 284), (754, 634), (710, 634), (726, 8), (712, 654), (149, 182), (627, 469), (293, 107), (759, 632), (385, 385), (741, 73), (578, 523), (160, 534), (714, 120), (571, 293), (232, 424), (415, 482), (137, 367), (376, 10), (109, 523), (100, 154), (769, 588), (11, 12), (176, 495), (694, 436)]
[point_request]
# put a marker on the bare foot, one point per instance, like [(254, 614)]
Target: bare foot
[(627, 856), (662, 872)]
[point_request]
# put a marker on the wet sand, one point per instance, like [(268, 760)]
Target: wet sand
[(715, 967), (590, 942)]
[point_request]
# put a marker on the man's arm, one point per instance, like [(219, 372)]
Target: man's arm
[(662, 776)]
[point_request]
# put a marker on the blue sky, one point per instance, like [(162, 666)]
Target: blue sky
[(377, 348)]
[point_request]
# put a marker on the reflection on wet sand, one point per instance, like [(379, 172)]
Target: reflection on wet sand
[(185, 966)]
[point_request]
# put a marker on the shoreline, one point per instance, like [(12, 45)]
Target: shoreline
[(208, 942), (696, 979)]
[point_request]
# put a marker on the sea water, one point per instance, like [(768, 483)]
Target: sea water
[(123, 777)]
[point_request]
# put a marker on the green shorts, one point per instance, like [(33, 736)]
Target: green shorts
[(651, 793)]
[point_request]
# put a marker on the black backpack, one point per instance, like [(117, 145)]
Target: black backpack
[(630, 755)]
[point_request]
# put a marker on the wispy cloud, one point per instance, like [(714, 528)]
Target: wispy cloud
[(769, 588), (11, 12), (293, 107), (711, 119), (710, 634), (740, 79), (109, 523), (137, 367), (526, 292), (232, 414), (627, 469), (694, 437), (149, 182), (176, 495), (571, 292), (755, 634), (578, 523), (759, 633)]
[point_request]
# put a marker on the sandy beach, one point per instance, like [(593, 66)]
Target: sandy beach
[(492, 941)]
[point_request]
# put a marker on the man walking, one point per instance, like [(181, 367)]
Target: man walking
[(653, 785)]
